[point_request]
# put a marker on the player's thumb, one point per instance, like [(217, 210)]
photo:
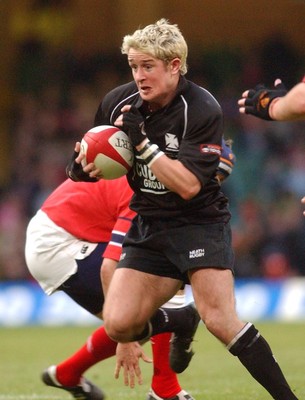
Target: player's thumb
[(145, 358)]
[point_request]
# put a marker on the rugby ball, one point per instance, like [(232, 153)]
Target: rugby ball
[(109, 149)]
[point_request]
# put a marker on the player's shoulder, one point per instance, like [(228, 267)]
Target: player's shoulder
[(200, 94), (113, 101), (121, 92)]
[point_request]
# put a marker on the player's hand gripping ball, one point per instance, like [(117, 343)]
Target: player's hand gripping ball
[(109, 149)]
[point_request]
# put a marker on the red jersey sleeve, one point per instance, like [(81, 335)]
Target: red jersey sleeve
[(122, 225)]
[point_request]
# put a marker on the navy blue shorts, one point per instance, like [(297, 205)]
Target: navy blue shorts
[(172, 248), (85, 287)]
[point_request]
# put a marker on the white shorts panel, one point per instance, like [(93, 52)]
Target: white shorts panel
[(50, 252), (178, 301)]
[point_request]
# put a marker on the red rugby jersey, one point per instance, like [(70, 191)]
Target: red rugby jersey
[(95, 212)]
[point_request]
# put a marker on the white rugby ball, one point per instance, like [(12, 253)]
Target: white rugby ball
[(109, 149)]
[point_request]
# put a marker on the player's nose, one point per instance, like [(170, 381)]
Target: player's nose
[(139, 75)]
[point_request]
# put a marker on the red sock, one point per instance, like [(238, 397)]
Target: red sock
[(164, 381), (98, 347)]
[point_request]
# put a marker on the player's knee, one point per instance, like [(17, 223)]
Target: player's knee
[(215, 322), (212, 325), (121, 329), (116, 331)]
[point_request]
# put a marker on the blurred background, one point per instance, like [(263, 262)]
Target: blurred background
[(59, 58)]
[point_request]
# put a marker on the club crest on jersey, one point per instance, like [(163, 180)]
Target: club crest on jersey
[(171, 142), (210, 149)]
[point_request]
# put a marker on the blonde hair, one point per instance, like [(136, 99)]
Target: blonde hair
[(162, 40)]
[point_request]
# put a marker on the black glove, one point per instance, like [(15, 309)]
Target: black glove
[(75, 171), (133, 125), (259, 99)]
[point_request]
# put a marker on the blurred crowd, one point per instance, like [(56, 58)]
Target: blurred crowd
[(57, 95)]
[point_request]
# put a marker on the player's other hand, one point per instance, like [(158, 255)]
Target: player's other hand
[(74, 169), (127, 358), (226, 161), (257, 101), (132, 123)]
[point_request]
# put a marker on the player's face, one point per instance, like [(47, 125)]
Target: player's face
[(156, 80)]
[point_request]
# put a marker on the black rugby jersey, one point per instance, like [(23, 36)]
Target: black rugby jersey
[(190, 129)]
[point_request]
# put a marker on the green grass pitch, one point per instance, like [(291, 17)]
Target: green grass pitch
[(213, 374)]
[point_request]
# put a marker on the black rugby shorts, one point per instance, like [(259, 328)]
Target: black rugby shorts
[(170, 248)]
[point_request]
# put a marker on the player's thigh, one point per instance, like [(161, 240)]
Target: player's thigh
[(134, 296)]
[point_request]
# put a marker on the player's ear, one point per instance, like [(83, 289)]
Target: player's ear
[(175, 65)]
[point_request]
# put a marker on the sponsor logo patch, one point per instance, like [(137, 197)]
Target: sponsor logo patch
[(210, 149), (84, 249), (197, 253)]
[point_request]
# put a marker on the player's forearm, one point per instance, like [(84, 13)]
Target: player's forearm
[(176, 177), (291, 106)]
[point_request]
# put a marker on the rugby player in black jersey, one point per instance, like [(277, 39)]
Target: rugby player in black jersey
[(182, 229)]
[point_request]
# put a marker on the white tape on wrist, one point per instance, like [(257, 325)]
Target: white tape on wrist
[(150, 153)]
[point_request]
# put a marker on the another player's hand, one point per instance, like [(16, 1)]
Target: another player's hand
[(74, 169), (226, 161), (257, 101), (132, 122), (303, 201), (127, 357)]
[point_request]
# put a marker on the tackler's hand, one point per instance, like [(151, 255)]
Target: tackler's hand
[(128, 355), (303, 202), (257, 101)]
